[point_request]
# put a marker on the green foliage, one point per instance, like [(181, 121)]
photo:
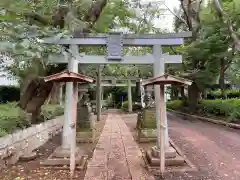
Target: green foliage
[(19, 30), (202, 55), (125, 106), (13, 118), (109, 103), (50, 111), (229, 108), (229, 94), (9, 94), (135, 107), (233, 72), (175, 104)]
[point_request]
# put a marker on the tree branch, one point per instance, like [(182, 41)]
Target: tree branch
[(173, 50), (230, 58), (37, 17), (178, 17), (94, 13), (222, 15), (197, 19), (188, 20)]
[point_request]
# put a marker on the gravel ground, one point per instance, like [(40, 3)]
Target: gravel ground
[(33, 171), (213, 149)]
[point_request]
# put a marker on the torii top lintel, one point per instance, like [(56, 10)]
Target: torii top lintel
[(128, 39)]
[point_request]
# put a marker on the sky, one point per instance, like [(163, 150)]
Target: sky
[(165, 22)]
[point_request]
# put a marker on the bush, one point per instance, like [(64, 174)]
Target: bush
[(135, 107), (176, 104), (227, 94), (50, 111), (125, 106), (109, 103), (13, 118), (229, 108)]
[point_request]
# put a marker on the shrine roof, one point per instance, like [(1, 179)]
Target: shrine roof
[(166, 79), (68, 76)]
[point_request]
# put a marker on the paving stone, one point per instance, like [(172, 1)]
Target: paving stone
[(116, 156)]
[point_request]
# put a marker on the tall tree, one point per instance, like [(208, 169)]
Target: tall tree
[(210, 52), (224, 17), (22, 23), (35, 19)]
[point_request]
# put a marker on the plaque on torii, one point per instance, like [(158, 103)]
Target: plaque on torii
[(114, 46)]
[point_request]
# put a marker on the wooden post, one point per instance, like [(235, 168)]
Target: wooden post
[(102, 98), (61, 94), (73, 111), (129, 96), (162, 129), (73, 127), (98, 97)]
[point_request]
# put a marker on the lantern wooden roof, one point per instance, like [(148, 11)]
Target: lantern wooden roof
[(67, 76), (166, 79)]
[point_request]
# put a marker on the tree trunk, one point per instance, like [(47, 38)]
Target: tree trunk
[(193, 97), (174, 93), (34, 92), (54, 96), (36, 116), (182, 93), (222, 75)]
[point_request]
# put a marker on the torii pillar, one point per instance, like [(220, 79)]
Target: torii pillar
[(158, 70), (73, 67)]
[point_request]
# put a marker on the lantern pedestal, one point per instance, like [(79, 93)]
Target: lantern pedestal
[(171, 157), (163, 155), (61, 158), (169, 152), (68, 155)]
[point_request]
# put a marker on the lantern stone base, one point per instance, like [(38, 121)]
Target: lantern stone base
[(169, 152), (61, 158), (171, 157)]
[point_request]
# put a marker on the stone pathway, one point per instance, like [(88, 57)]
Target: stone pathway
[(116, 156)]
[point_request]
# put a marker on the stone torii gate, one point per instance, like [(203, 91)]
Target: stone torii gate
[(115, 42), (115, 82)]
